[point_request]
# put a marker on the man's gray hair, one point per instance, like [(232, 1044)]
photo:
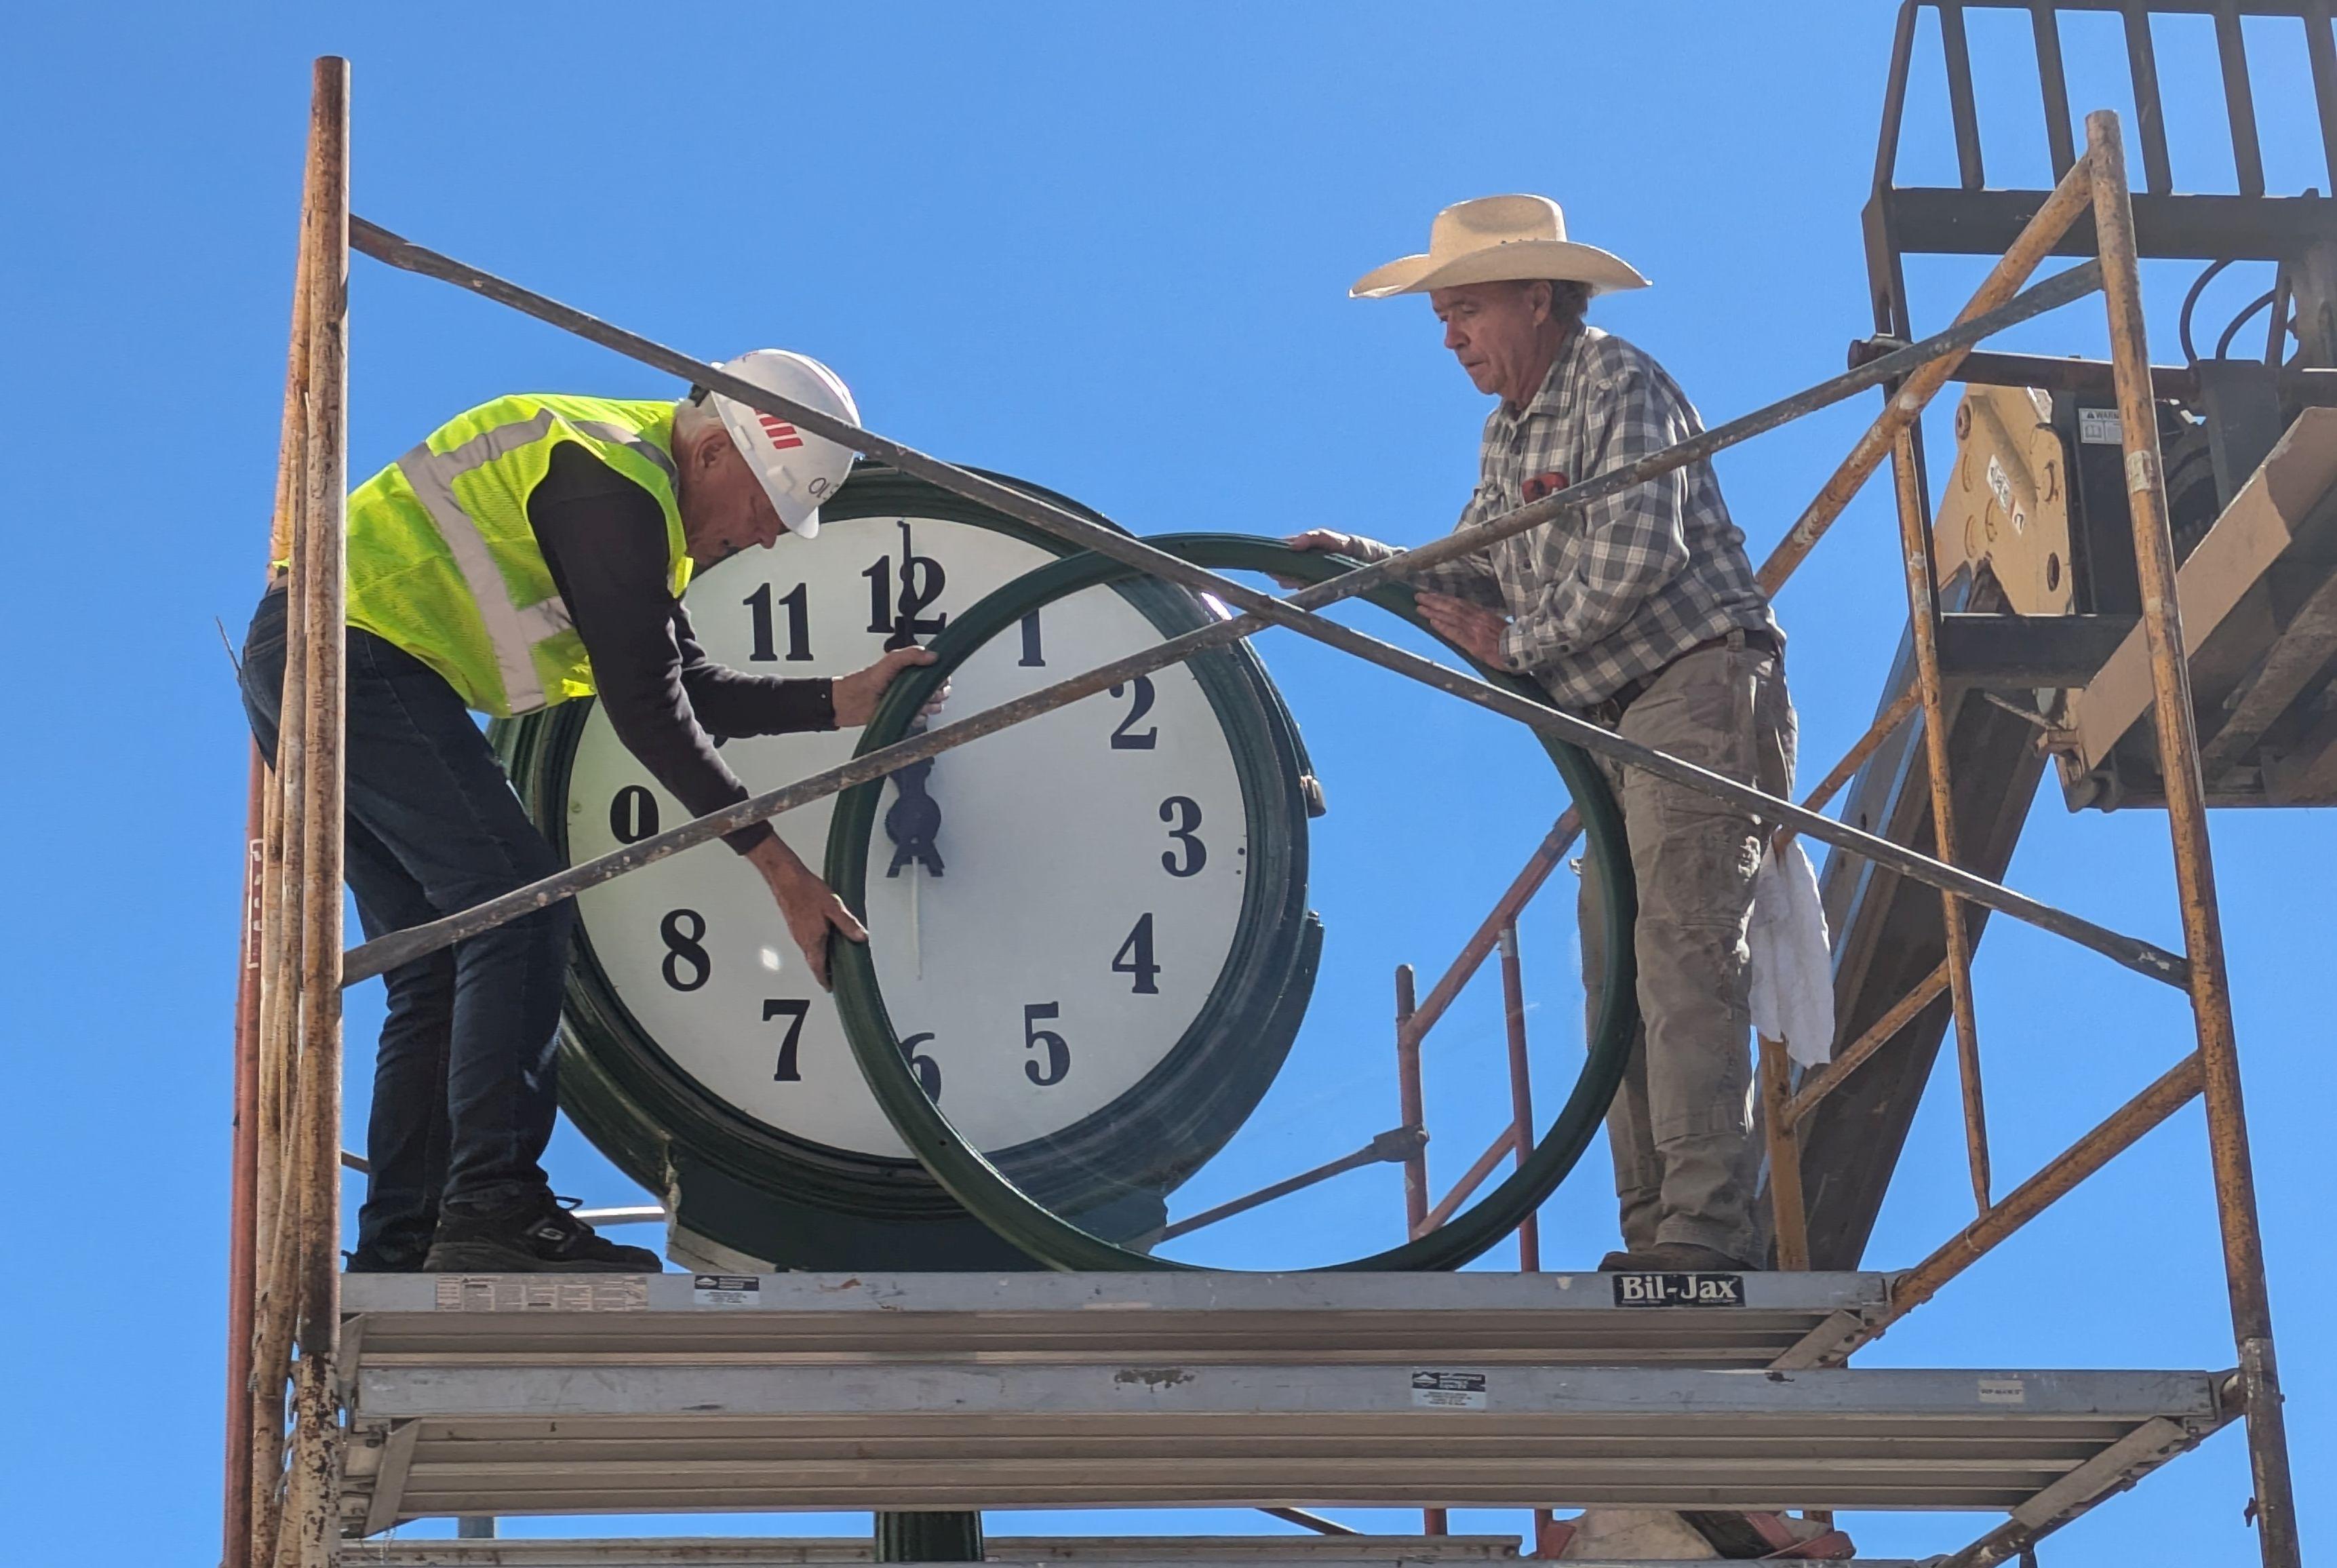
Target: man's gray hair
[(695, 413), (1569, 299)]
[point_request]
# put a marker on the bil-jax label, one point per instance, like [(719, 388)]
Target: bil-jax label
[(1679, 1289)]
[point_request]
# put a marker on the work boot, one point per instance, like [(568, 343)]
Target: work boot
[(1673, 1257), (531, 1232), (398, 1252)]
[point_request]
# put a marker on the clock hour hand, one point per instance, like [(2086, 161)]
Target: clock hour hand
[(914, 818)]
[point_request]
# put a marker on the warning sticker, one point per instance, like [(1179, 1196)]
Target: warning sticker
[(726, 1290), (2100, 427), (542, 1293), (2003, 1391), (1449, 1390)]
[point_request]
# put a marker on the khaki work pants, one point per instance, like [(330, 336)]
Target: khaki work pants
[(1681, 1129)]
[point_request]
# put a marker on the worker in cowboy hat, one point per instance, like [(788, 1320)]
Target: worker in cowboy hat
[(530, 552), (1640, 612)]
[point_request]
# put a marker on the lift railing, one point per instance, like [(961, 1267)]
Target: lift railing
[(284, 1441)]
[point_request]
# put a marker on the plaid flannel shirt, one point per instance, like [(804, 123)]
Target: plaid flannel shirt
[(1620, 588)]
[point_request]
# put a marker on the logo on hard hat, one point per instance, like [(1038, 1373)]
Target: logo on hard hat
[(782, 434)]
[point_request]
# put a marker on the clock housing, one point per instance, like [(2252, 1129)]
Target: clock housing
[(1139, 865)]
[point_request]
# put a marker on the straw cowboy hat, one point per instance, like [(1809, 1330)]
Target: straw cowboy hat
[(1498, 239)]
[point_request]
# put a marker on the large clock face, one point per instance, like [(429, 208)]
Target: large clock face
[(1051, 909)]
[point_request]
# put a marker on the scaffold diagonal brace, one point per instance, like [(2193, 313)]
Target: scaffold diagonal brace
[(1295, 612)]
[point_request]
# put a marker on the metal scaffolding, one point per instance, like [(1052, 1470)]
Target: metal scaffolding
[(288, 1381)]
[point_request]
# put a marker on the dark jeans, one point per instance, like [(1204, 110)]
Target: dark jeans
[(463, 1094)]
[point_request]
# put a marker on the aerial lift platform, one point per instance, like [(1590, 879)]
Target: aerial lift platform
[(2055, 627), (2040, 646)]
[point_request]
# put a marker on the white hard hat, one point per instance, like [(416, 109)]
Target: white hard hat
[(798, 469)]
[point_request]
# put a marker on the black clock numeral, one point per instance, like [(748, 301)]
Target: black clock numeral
[(634, 815), (682, 949), (921, 583), (797, 601), (794, 1009), (759, 602), (1058, 1050), (928, 1070), (1125, 739), (797, 605), (1183, 815), (1135, 958), (1032, 659)]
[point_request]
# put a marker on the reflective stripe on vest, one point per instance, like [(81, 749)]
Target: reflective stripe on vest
[(433, 475), (497, 562)]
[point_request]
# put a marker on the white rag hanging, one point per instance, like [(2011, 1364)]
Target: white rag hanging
[(1793, 962)]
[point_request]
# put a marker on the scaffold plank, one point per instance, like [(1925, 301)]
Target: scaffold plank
[(1547, 1319), (1029, 1552), (601, 1439)]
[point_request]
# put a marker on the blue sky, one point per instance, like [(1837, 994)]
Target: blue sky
[(1106, 248)]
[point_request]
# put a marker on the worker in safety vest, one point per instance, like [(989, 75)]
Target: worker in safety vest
[(532, 551)]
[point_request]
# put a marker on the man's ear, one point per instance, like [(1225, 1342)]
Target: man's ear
[(702, 448), (1547, 309)]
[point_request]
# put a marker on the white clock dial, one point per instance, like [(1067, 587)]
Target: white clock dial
[(1091, 862)]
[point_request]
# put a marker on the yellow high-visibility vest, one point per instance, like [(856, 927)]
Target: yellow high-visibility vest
[(443, 564)]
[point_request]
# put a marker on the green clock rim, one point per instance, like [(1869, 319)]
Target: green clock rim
[(638, 1106), (987, 1192)]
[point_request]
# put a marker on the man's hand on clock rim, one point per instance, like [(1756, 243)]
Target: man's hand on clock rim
[(1331, 540), (811, 910), (1471, 627), (855, 695)]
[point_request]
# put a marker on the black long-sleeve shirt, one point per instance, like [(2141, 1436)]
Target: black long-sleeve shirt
[(603, 538)]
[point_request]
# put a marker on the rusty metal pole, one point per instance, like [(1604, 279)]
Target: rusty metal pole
[(2032, 245), (2195, 870), (273, 1303), (1481, 942), (1923, 616), (1885, 723), (310, 1531), (269, 1364), (235, 1513), (1521, 1121), (1781, 1108), (255, 1342), (1818, 1085), (2112, 1136), (1791, 1214), (1409, 1106)]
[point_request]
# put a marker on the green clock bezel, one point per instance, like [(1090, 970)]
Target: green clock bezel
[(639, 1107), (986, 1188)]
